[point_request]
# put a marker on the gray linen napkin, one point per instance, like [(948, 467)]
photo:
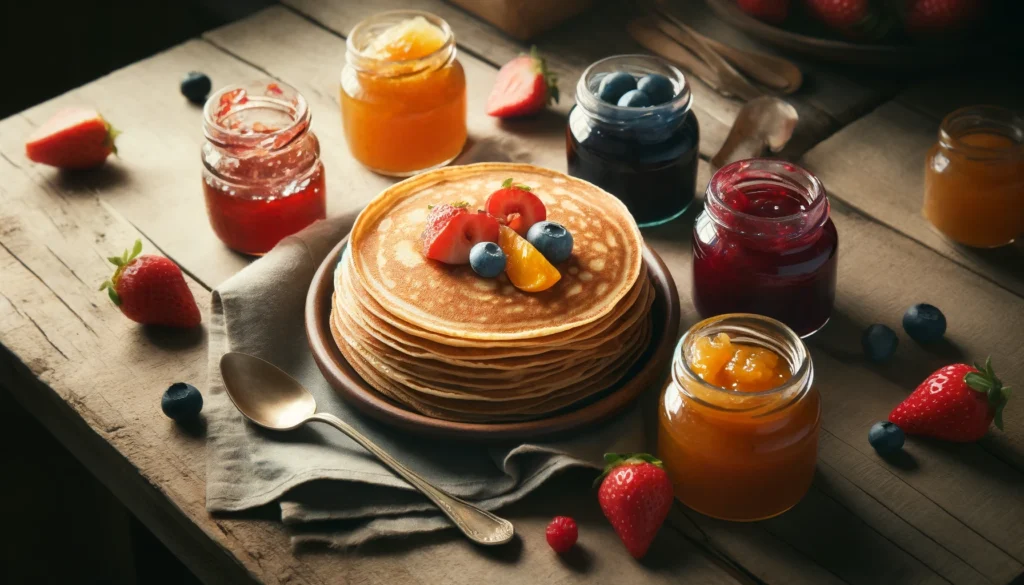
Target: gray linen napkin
[(317, 474)]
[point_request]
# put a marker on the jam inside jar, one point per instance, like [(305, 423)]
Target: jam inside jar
[(745, 450), (765, 244), (262, 176), (647, 157), (403, 93), (974, 177)]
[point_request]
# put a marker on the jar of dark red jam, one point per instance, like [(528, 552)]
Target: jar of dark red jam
[(262, 174), (647, 157), (765, 244)]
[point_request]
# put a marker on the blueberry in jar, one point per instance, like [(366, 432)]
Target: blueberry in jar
[(645, 156), (614, 85), (634, 98), (659, 89)]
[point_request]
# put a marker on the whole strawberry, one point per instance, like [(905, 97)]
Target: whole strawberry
[(859, 19), (956, 403), (773, 11), (74, 138), (636, 496), (524, 86), (151, 290), (933, 18)]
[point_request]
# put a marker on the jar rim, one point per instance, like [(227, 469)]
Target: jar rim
[(264, 94), (587, 99), (998, 119), (357, 57), (795, 352)]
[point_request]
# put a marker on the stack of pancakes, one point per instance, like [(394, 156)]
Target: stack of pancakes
[(450, 344)]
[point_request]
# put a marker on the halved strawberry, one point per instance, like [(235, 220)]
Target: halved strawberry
[(452, 230), (74, 138), (524, 86), (515, 206)]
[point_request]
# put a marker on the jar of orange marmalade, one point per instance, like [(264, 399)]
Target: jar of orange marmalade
[(403, 93), (974, 177), (738, 421), (262, 175)]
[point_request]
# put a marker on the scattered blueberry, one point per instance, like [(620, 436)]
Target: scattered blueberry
[(182, 402), (634, 98), (886, 437), (196, 86), (552, 240), (879, 342), (657, 87), (487, 259), (613, 85), (924, 323)]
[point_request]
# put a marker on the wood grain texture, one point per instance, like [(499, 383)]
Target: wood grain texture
[(887, 183)]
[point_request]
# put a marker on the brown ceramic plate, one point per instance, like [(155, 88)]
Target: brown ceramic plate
[(892, 55), (651, 368)]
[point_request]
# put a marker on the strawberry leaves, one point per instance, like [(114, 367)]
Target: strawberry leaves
[(550, 79), (613, 460), (509, 184), (985, 381), (121, 262)]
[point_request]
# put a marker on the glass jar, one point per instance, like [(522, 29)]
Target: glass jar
[(738, 455), (765, 244), (262, 175), (403, 115), (647, 157), (974, 177)]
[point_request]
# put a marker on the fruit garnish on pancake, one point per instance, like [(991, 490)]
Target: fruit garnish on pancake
[(515, 206), (526, 267), (452, 230)]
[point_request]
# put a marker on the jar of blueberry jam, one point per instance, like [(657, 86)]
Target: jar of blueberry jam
[(632, 133), (765, 244)]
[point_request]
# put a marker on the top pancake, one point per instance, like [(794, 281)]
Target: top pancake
[(453, 300)]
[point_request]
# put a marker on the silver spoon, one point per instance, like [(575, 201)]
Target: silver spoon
[(272, 399)]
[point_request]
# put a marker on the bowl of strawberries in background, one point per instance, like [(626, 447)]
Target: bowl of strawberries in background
[(892, 33)]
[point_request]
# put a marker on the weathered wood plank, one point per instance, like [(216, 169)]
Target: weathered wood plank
[(570, 48), (876, 165), (95, 379)]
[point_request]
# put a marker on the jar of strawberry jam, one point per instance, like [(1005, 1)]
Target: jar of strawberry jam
[(645, 156), (974, 177), (739, 419), (403, 93), (262, 174), (765, 244)]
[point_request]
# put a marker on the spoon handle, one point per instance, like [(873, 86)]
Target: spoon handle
[(479, 525)]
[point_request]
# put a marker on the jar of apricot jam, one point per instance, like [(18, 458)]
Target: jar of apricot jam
[(974, 177), (403, 93), (765, 244), (645, 156), (739, 419), (262, 175)]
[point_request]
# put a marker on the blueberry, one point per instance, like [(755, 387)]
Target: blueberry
[(182, 402), (924, 323), (613, 85), (634, 98), (657, 87), (196, 86), (886, 437), (879, 342), (552, 240), (487, 259)]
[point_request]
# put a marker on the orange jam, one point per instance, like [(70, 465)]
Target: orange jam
[(738, 422), (403, 93), (974, 177)]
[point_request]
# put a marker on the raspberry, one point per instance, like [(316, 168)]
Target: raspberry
[(562, 534)]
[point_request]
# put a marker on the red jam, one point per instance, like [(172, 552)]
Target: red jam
[(263, 179), (765, 244)]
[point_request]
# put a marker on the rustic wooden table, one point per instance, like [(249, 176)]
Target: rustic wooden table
[(944, 514)]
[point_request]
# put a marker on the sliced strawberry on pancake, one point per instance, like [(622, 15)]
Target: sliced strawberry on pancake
[(515, 206), (452, 230)]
